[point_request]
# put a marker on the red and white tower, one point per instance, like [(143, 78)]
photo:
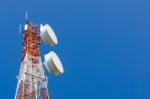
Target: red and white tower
[(32, 82)]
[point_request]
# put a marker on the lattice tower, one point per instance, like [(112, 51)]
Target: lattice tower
[(32, 83)]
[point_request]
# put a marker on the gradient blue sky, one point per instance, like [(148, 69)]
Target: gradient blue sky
[(104, 46)]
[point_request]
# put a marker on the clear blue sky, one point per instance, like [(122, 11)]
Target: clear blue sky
[(104, 46)]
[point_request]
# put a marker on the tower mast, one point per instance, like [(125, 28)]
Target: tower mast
[(31, 80)]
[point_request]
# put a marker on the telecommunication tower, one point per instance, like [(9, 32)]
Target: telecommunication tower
[(32, 82)]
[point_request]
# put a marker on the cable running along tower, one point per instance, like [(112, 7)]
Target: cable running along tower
[(32, 82)]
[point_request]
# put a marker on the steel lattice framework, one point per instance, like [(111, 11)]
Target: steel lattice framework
[(32, 83)]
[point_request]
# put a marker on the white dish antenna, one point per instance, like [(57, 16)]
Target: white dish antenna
[(25, 27), (47, 35), (53, 63)]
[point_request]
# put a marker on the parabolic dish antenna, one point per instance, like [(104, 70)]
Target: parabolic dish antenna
[(53, 63), (47, 35)]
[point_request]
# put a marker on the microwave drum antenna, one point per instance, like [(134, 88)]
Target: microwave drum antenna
[(53, 63), (47, 35)]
